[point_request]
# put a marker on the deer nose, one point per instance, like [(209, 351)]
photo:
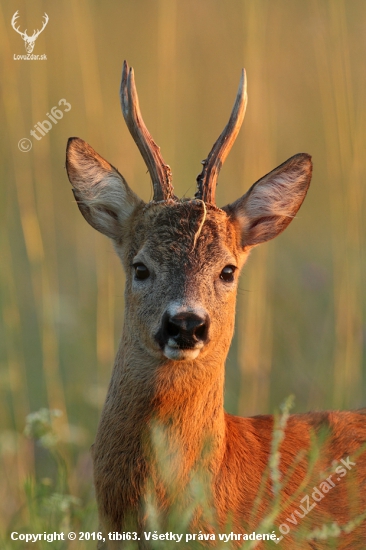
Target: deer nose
[(186, 329)]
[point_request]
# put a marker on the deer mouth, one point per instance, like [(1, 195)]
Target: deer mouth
[(172, 350)]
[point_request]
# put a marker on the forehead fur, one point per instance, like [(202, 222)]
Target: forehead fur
[(168, 230)]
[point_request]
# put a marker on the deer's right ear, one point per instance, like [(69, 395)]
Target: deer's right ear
[(102, 194), (273, 201)]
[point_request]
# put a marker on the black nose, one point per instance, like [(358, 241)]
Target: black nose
[(186, 329)]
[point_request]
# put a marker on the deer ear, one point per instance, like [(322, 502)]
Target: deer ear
[(102, 194), (273, 201)]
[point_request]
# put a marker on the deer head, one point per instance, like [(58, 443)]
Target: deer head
[(28, 40), (182, 257)]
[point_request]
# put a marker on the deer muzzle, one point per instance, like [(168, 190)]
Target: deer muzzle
[(183, 333)]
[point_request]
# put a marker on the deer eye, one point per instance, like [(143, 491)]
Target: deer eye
[(227, 274), (141, 272)]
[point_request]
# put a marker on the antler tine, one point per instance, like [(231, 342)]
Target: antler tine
[(159, 171), (44, 23), (14, 18), (14, 21), (206, 180)]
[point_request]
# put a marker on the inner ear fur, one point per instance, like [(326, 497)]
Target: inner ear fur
[(272, 202), (102, 194)]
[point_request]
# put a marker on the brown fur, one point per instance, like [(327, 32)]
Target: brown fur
[(183, 398)]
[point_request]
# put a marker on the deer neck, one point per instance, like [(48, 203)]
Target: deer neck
[(163, 421), (180, 400)]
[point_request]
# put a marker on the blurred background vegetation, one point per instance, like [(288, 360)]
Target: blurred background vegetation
[(301, 309)]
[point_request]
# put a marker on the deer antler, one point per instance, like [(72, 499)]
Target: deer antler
[(206, 180), (37, 32), (13, 21), (159, 171), (24, 34)]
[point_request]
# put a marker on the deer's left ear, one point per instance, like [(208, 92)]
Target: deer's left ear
[(103, 196), (273, 201)]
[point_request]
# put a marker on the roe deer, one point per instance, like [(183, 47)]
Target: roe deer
[(182, 260)]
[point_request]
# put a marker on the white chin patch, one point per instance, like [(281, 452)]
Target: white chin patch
[(178, 354)]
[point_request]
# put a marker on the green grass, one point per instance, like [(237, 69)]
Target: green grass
[(50, 505)]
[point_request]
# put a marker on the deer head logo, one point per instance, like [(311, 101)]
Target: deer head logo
[(28, 40)]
